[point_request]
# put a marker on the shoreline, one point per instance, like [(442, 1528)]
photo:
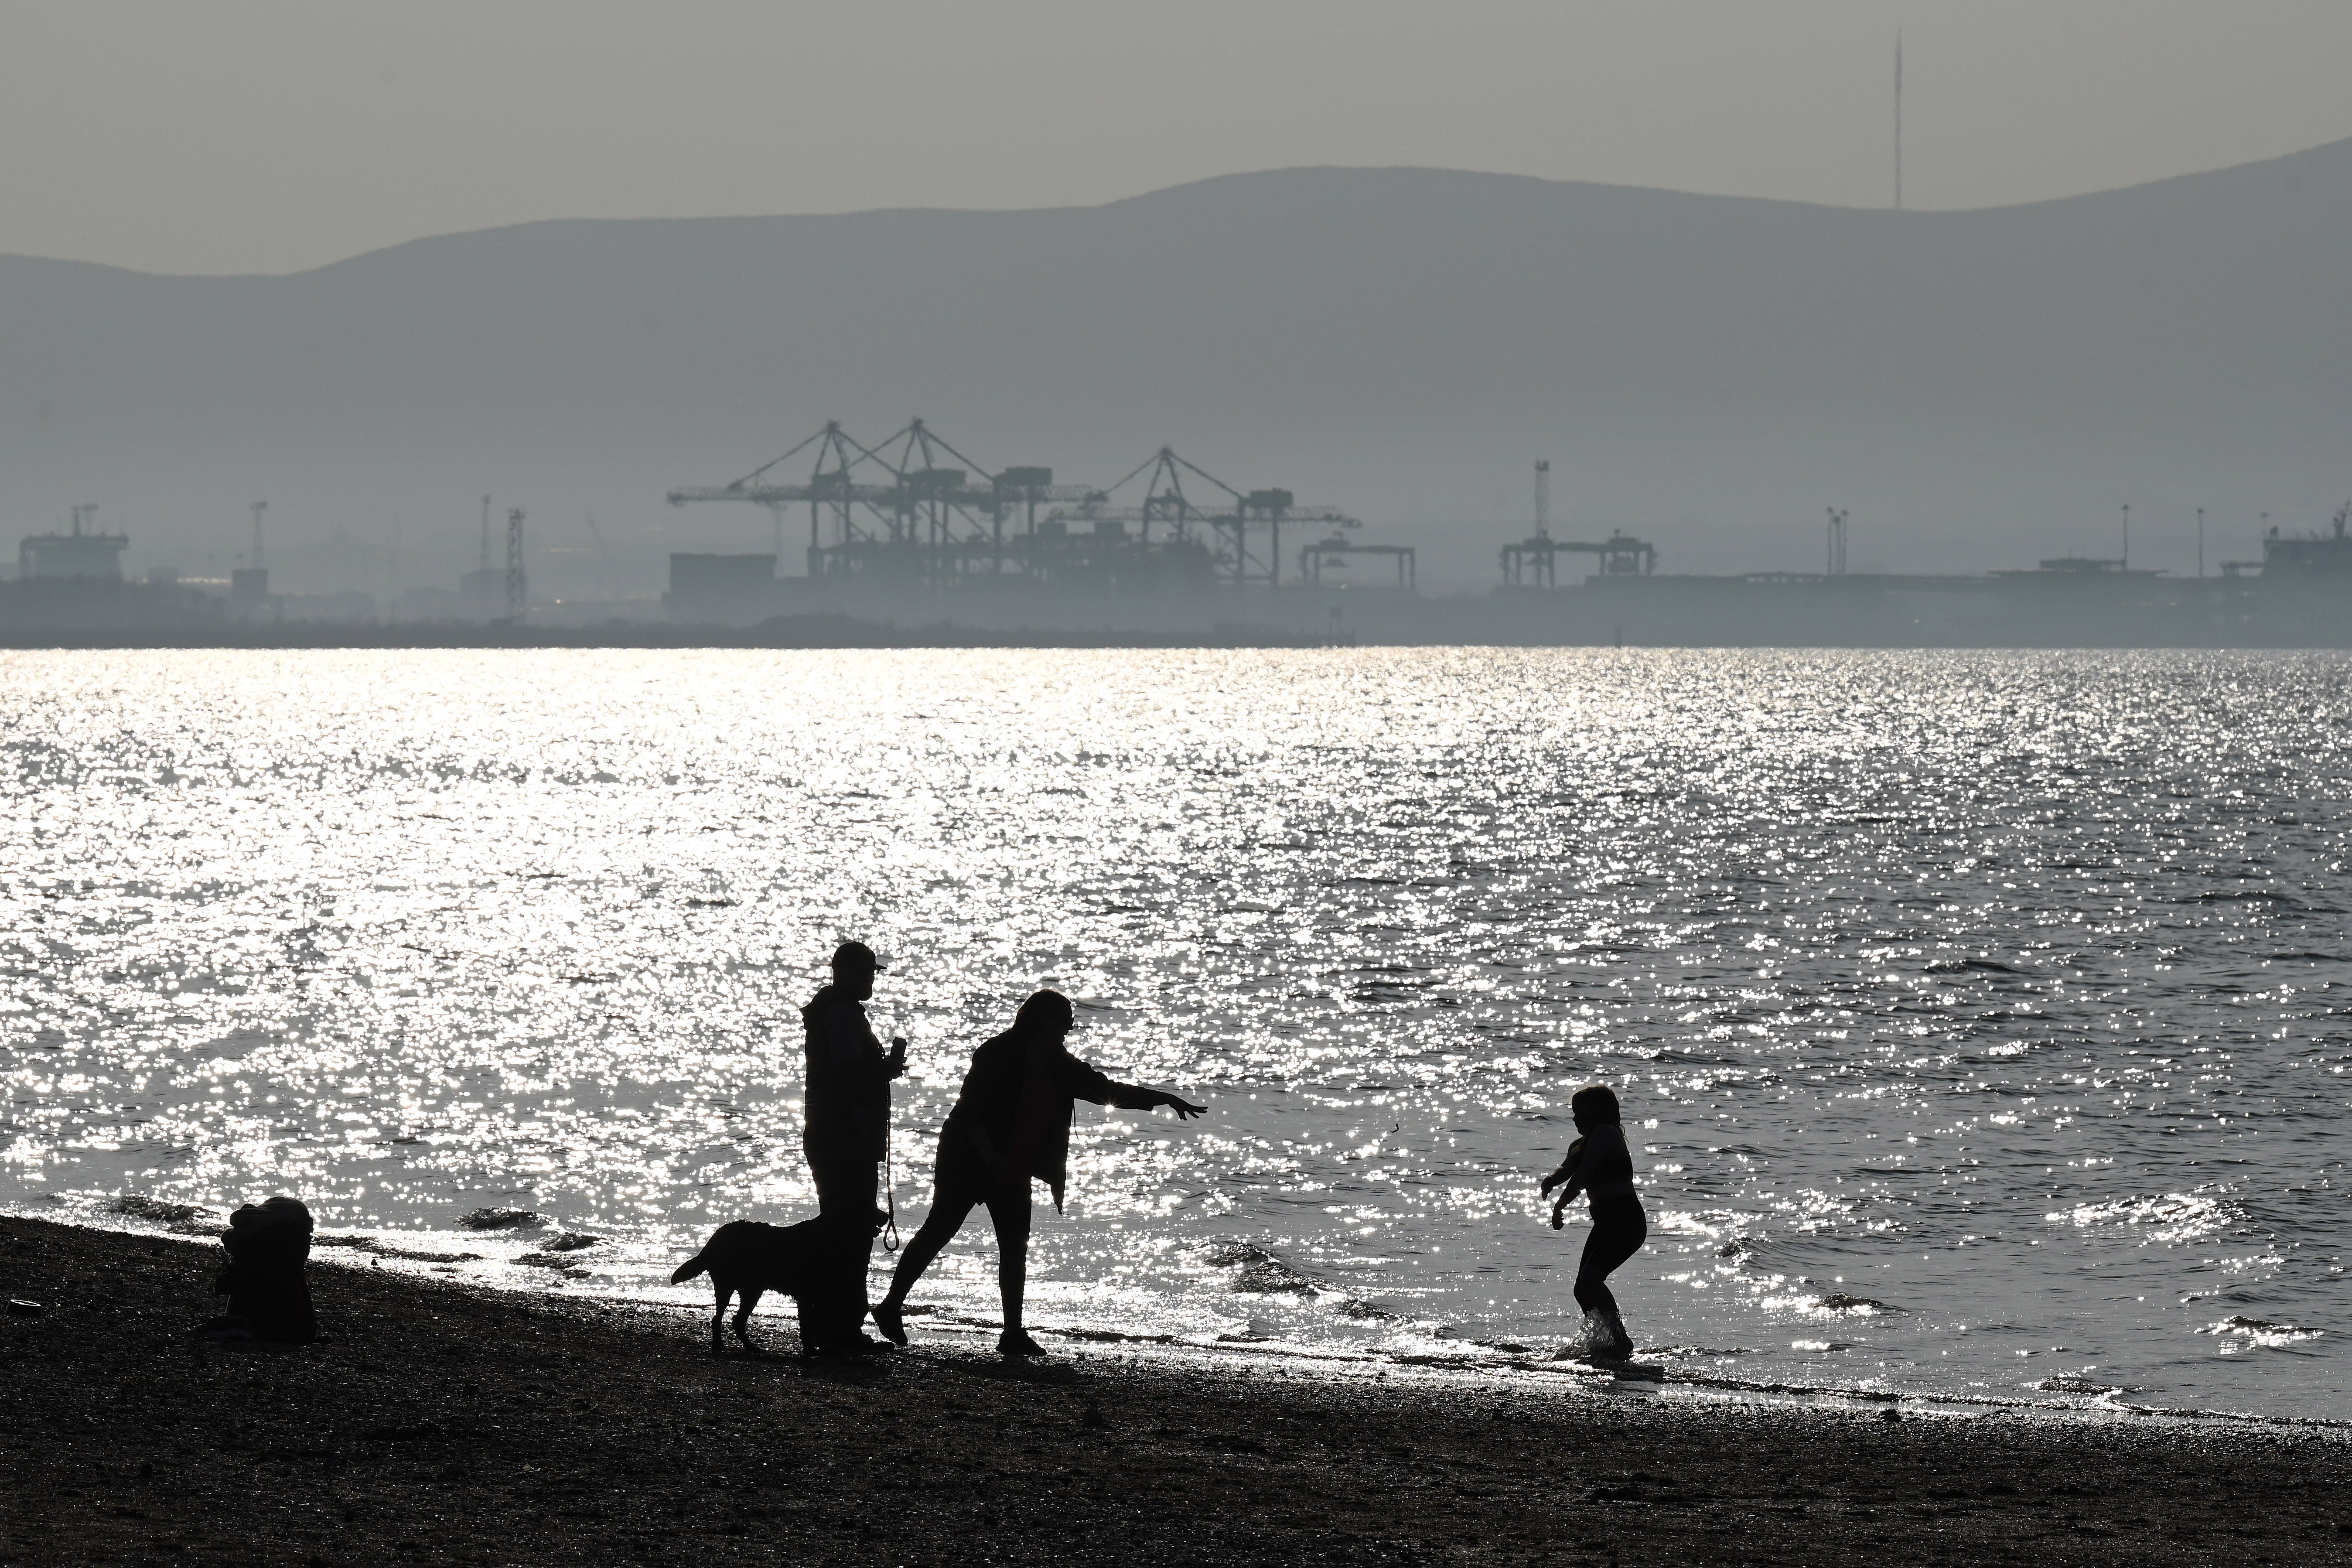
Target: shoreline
[(450, 1423), (341, 1249)]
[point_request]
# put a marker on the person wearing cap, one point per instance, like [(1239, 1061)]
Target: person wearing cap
[(846, 1127), (846, 1119), (1010, 1125)]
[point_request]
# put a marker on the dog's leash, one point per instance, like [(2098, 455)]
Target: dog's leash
[(890, 1180)]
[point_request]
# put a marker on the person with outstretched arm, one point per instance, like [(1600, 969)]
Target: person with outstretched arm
[(1599, 1165), (1010, 1125)]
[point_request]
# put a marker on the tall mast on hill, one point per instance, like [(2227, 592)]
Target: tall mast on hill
[(1898, 120)]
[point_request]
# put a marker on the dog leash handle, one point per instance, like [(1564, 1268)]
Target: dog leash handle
[(890, 1194)]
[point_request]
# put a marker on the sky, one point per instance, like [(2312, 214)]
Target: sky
[(275, 135)]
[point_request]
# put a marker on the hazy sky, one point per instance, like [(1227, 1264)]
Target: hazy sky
[(270, 136)]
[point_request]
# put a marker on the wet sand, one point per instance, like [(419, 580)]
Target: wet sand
[(445, 1425)]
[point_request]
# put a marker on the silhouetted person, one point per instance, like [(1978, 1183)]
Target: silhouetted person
[(269, 1244), (846, 1127), (1010, 1125), (1601, 1166), (846, 1118)]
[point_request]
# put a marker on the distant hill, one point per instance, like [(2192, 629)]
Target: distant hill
[(1980, 388)]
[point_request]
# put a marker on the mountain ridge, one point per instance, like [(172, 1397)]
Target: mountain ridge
[(2341, 148), (1980, 387)]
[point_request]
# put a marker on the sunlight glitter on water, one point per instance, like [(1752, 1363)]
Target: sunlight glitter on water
[(1982, 1014)]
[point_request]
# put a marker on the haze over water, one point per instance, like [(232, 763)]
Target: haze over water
[(1977, 1018)]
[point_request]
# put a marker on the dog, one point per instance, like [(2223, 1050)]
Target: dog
[(820, 1263)]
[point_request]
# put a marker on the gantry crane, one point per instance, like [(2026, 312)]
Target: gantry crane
[(900, 492), (1530, 562), (1229, 521), (913, 506)]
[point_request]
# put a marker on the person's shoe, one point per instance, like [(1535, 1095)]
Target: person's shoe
[(1621, 1344), (1017, 1343), (892, 1322)]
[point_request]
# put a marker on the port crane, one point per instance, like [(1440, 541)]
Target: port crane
[(1227, 520), (914, 506), (902, 492), (1529, 563)]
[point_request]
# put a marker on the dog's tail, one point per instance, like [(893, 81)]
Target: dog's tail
[(689, 1269)]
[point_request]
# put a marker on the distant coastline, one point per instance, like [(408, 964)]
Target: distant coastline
[(784, 632), (1466, 629)]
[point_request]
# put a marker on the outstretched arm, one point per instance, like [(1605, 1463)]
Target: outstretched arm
[(1084, 1082), (1135, 1097), (1088, 1084)]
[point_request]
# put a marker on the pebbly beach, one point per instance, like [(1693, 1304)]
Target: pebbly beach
[(439, 1423)]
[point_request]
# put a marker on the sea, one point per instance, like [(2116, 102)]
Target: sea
[(1979, 1019)]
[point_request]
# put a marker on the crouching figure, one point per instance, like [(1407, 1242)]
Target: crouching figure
[(268, 1297)]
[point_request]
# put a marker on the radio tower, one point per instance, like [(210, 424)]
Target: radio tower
[(1543, 499), (258, 507), (514, 565), (1898, 120)]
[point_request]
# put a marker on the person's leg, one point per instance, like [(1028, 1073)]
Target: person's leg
[(1617, 1235), (834, 1304), (1009, 1210), (846, 1183), (953, 1194), (939, 1228)]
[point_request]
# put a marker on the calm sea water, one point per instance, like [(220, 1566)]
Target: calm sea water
[(1981, 1019)]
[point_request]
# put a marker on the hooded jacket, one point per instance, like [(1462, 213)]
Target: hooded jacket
[(846, 1108), (1027, 1117)]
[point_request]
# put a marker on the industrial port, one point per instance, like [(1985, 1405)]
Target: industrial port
[(908, 539)]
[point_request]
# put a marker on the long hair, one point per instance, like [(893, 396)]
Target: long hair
[(1042, 1013), (1595, 1103)]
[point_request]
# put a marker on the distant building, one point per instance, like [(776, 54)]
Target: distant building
[(484, 593), (430, 605), (77, 555), (716, 590), (2326, 554), (74, 582), (343, 607)]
